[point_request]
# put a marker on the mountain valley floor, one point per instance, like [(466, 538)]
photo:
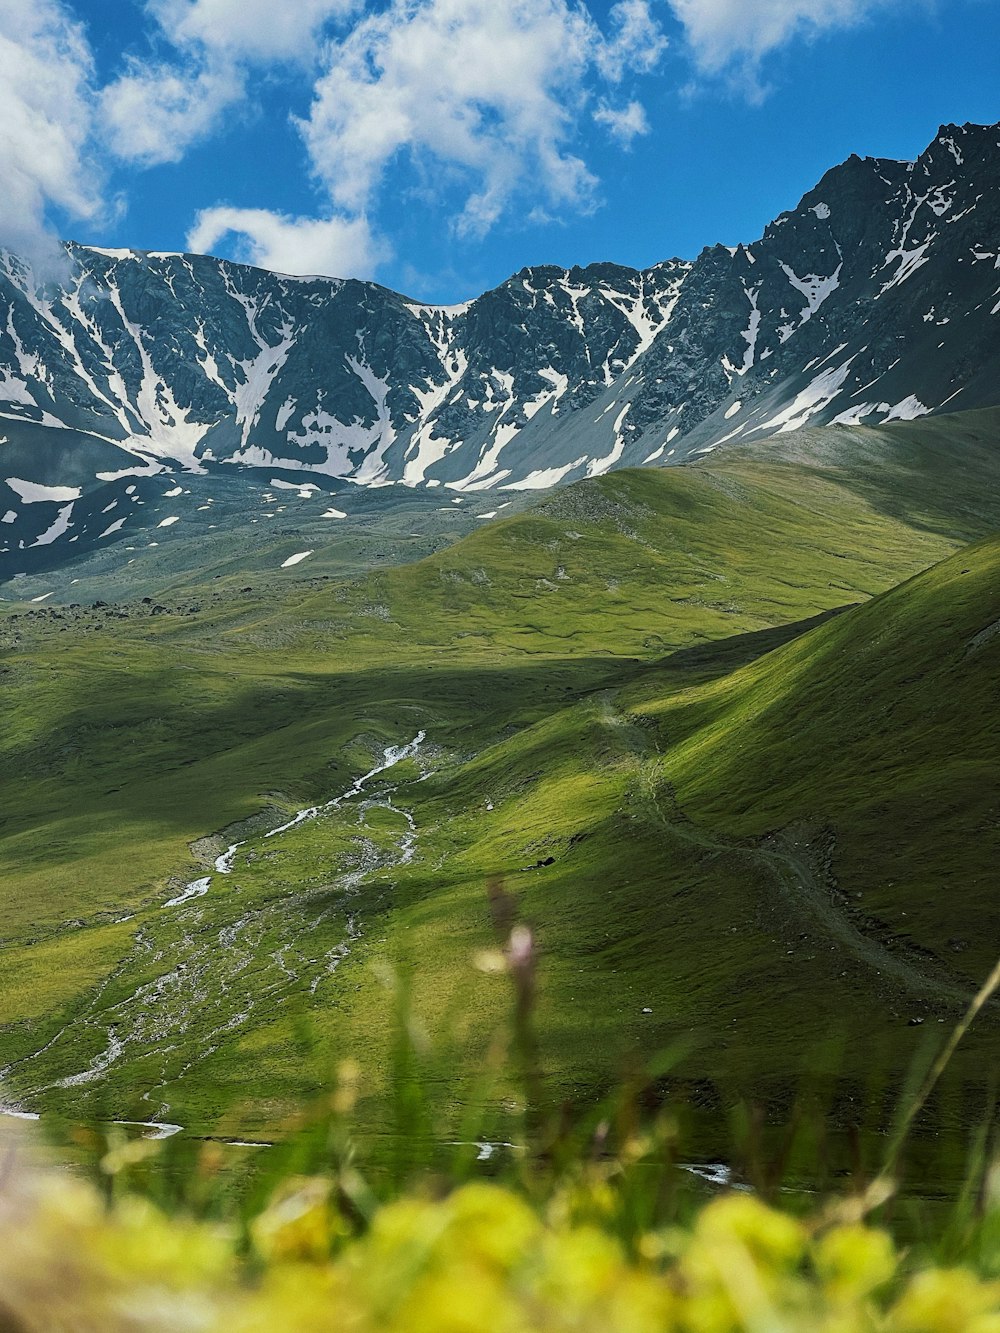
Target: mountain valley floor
[(727, 733)]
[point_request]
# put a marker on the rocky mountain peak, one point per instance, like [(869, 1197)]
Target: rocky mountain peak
[(876, 298)]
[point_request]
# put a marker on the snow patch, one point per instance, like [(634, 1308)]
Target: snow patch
[(812, 399), (148, 468), (814, 288), (542, 478), (911, 260), (31, 492), (596, 466), (908, 410), (853, 416), (57, 529), (374, 471), (295, 559), (749, 335), (170, 430), (560, 384), (284, 414), (425, 448)]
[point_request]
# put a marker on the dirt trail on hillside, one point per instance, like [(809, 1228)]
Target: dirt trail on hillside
[(807, 888), (804, 888)]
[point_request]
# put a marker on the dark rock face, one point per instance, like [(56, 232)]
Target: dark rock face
[(878, 298)]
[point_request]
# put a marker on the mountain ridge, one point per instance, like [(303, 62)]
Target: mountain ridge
[(875, 299)]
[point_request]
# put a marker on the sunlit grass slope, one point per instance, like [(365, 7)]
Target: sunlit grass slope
[(934, 472)]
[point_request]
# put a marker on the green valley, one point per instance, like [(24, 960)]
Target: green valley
[(727, 731)]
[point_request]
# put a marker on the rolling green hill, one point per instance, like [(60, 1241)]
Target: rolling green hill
[(729, 814)]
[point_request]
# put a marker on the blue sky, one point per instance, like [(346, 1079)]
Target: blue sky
[(439, 145)]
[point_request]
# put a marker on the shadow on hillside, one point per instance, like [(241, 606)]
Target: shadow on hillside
[(709, 661)]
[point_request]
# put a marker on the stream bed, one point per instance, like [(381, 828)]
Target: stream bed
[(208, 976)]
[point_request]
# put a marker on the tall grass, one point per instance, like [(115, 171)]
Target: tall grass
[(528, 1218)]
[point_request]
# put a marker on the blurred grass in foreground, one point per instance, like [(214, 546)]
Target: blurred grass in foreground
[(585, 1226)]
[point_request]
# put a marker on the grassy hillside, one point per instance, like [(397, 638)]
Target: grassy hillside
[(875, 738), (595, 681), (933, 472)]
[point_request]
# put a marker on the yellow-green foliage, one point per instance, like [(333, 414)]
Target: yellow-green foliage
[(481, 1258)]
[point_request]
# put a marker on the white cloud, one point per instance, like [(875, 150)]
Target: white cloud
[(623, 123), (483, 87), (45, 121), (492, 92), (254, 30), (483, 100), (724, 33), (637, 42), (341, 247), (154, 113)]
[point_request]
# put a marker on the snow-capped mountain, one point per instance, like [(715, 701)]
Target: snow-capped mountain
[(877, 298)]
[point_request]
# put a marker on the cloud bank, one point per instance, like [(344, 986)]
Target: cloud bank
[(488, 98), (344, 247), (46, 109), (724, 34), (482, 108), (155, 111)]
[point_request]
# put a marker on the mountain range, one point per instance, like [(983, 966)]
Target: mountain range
[(876, 299)]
